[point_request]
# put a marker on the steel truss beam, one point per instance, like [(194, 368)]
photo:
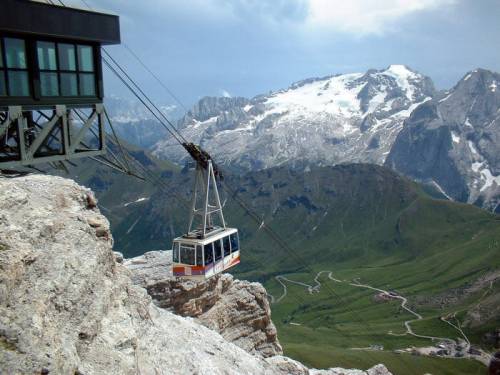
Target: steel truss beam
[(31, 136)]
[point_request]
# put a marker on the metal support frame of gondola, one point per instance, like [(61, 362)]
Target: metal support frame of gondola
[(205, 186)]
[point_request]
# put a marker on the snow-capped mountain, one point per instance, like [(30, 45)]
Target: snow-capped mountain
[(342, 118), (453, 142), (135, 124)]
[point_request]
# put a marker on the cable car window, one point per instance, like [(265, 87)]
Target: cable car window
[(3, 86), (199, 255), (227, 248), (217, 250), (234, 242), (187, 254), (209, 254), (176, 252)]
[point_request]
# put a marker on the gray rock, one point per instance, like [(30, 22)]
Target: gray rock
[(238, 310), (453, 142)]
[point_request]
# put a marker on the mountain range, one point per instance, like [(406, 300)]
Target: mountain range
[(394, 116), (321, 121)]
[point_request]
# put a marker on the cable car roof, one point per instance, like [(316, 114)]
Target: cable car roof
[(52, 21), (208, 239)]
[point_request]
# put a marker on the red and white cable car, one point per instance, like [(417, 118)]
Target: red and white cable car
[(210, 248)]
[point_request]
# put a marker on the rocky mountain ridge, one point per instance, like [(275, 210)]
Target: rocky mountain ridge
[(453, 142), (67, 306), (341, 118)]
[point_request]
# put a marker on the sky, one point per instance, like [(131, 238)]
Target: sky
[(248, 47)]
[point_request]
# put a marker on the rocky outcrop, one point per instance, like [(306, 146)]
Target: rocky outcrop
[(68, 307), (452, 142), (238, 310)]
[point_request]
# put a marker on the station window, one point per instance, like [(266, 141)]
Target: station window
[(14, 80), (209, 253), (217, 250), (66, 69), (227, 248), (234, 242)]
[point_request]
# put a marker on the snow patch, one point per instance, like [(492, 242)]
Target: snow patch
[(247, 107), (486, 175), (455, 138), (136, 201), (467, 76), (472, 148), (476, 166), (407, 112), (403, 75), (493, 86), (467, 123), (376, 101), (441, 190), (337, 97), (490, 179), (446, 97)]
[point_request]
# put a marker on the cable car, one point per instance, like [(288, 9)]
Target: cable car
[(203, 258), (209, 247)]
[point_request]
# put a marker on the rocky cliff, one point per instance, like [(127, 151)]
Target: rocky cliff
[(238, 310), (68, 307), (452, 142)]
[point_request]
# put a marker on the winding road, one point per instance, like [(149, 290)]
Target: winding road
[(282, 280), (404, 301)]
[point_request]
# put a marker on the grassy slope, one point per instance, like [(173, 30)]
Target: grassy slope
[(379, 228)]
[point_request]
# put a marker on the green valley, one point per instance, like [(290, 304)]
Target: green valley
[(363, 223)]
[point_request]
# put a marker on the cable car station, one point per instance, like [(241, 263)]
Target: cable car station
[(51, 82), (51, 111)]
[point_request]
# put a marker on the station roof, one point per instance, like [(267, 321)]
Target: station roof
[(52, 21)]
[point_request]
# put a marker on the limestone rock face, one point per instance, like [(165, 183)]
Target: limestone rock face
[(66, 306), (238, 310)]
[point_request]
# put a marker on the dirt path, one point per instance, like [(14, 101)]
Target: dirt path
[(282, 280), (404, 301)]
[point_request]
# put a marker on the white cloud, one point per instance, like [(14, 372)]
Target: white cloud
[(363, 17), (225, 93)]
